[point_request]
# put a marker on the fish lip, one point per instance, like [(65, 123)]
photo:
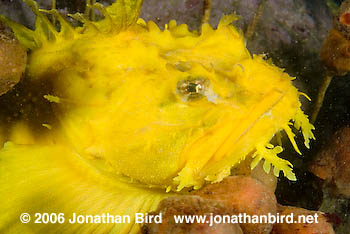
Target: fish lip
[(199, 166), (258, 116)]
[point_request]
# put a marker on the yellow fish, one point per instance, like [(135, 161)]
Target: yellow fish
[(143, 114)]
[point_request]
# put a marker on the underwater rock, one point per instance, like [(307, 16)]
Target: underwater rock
[(13, 59), (335, 53), (333, 163), (282, 22), (322, 226), (267, 179), (258, 173), (342, 19), (183, 11), (190, 205), (337, 211), (18, 11), (243, 194)]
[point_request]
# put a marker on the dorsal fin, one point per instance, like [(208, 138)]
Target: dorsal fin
[(118, 16)]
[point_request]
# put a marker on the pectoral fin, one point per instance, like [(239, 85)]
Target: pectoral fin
[(53, 179)]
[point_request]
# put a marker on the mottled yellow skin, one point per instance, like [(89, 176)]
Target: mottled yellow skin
[(124, 125)]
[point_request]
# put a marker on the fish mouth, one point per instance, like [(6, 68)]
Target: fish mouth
[(211, 156)]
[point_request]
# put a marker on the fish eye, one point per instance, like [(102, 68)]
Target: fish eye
[(192, 89)]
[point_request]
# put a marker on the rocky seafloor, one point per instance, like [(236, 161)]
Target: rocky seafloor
[(291, 33)]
